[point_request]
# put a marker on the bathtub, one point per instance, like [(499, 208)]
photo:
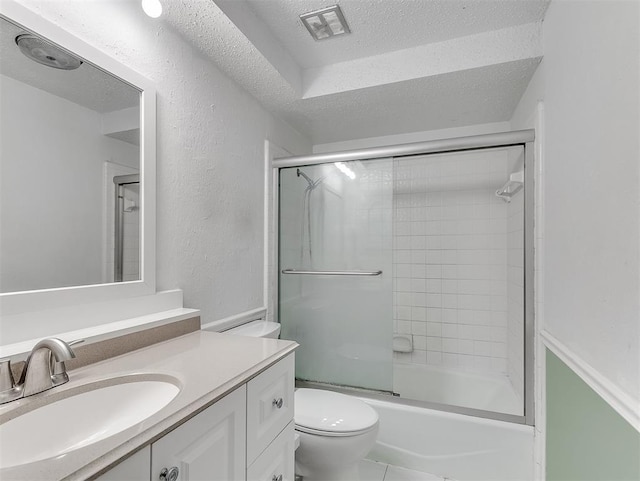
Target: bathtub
[(455, 446), (452, 386)]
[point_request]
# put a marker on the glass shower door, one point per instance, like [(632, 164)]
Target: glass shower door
[(127, 228), (335, 284)]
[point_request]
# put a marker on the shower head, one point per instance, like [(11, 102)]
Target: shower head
[(45, 53), (312, 183), (300, 173)]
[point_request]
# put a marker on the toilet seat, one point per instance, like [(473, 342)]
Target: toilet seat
[(327, 413), (317, 432)]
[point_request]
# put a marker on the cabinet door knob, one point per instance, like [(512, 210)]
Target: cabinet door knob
[(169, 474), (277, 478), (278, 403)]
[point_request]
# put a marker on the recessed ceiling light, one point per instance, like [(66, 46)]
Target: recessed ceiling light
[(45, 53), (325, 23), (153, 8)]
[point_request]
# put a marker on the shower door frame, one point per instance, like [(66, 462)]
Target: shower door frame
[(524, 138), (119, 182)]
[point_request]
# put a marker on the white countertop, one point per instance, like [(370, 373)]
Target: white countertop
[(207, 366)]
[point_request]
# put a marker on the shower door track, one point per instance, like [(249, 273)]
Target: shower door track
[(524, 138), (389, 396), (475, 142)]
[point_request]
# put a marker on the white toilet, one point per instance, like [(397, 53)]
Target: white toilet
[(336, 431)]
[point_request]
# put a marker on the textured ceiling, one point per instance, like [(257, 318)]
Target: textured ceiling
[(380, 26), (408, 66), (481, 95), (87, 86)]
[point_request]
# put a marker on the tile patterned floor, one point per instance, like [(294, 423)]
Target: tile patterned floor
[(373, 471)]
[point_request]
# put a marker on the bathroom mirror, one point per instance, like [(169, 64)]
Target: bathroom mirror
[(77, 170)]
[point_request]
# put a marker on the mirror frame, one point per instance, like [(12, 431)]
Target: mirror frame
[(39, 300)]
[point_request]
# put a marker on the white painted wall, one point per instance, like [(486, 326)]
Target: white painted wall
[(51, 189), (210, 167), (589, 82)]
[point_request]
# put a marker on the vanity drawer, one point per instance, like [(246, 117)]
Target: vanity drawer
[(269, 405), (276, 462)]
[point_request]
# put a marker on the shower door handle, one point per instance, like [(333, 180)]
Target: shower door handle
[(331, 273)]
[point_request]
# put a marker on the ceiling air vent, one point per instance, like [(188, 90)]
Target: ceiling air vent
[(325, 23)]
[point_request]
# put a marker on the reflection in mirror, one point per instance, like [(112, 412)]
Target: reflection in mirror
[(70, 133)]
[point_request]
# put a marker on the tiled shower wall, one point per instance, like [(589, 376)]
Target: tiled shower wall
[(515, 293), (450, 258)]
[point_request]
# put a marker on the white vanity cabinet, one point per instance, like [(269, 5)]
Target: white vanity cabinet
[(276, 462), (270, 426), (246, 435), (210, 446), (134, 468)]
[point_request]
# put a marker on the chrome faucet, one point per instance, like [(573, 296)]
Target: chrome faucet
[(43, 370)]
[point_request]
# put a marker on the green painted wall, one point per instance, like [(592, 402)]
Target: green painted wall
[(586, 439)]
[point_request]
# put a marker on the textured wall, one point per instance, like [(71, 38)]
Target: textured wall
[(210, 164), (587, 219), (591, 220), (592, 228)]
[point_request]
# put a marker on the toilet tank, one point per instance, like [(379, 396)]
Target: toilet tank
[(259, 328)]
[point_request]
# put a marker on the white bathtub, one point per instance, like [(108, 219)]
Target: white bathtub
[(455, 446), (446, 385)]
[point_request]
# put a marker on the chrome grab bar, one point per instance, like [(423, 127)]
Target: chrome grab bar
[(331, 273)]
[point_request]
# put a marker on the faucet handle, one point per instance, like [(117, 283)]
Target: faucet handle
[(7, 383), (9, 390)]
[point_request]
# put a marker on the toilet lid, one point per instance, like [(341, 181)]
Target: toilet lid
[(331, 412)]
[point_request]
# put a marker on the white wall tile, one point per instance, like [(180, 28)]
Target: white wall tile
[(419, 357), (455, 245), (434, 343), (434, 329), (450, 316), (420, 343), (419, 328), (404, 327), (434, 358), (418, 313), (465, 346), (450, 330)]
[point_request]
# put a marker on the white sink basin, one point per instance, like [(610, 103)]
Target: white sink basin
[(76, 421)]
